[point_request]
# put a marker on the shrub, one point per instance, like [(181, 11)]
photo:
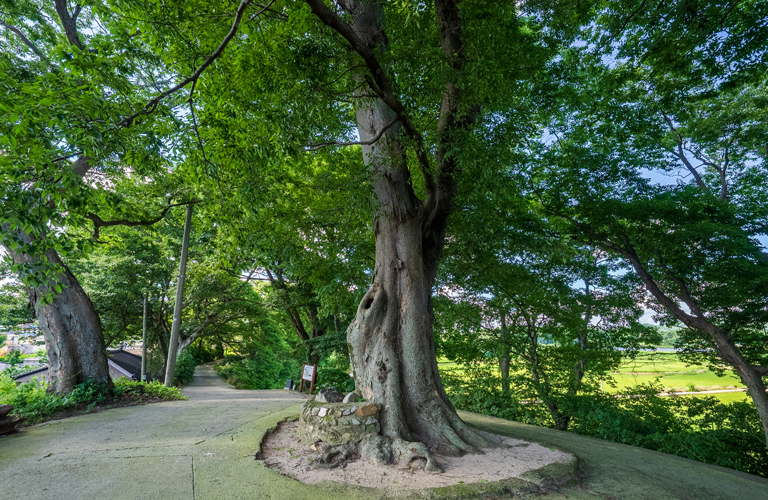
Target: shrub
[(334, 372), (336, 378), (14, 370), (13, 358), (31, 401), (185, 368), (89, 392), (151, 389), (699, 428)]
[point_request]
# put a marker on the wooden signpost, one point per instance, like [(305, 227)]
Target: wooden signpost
[(308, 373)]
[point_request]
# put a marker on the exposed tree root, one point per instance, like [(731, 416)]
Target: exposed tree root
[(335, 456), (379, 449)]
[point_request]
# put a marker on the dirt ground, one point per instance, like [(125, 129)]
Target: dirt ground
[(282, 451)]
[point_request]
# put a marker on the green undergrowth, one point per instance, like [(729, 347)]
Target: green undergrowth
[(154, 389), (185, 368), (698, 428), (33, 403)]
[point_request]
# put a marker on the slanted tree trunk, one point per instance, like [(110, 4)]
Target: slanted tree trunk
[(750, 375), (71, 328), (581, 364), (391, 340), (504, 356), (294, 316)]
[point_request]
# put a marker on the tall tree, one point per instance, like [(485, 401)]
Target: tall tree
[(79, 92), (345, 75), (695, 244)]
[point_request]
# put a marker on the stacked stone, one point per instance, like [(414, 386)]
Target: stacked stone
[(337, 423)]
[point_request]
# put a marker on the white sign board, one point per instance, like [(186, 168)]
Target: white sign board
[(309, 370)]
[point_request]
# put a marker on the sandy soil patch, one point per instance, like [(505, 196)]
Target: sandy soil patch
[(282, 451)]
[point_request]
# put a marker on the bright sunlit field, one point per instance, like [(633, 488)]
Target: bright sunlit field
[(672, 374)]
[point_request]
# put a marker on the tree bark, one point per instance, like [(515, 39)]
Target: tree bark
[(71, 326), (72, 330), (504, 356), (391, 340), (581, 363)]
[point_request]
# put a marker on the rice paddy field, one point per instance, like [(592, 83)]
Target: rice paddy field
[(672, 374), (675, 376)]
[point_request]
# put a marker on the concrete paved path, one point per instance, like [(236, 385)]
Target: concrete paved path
[(158, 451), (203, 449)]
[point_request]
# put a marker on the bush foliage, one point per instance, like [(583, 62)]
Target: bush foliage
[(699, 428), (155, 389), (185, 368), (33, 403), (256, 371)]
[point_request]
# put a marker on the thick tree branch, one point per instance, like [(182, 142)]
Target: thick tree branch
[(454, 118), (293, 313), (69, 23), (685, 294), (108, 342), (24, 39), (374, 140), (680, 154), (378, 80), (98, 222), (153, 103)]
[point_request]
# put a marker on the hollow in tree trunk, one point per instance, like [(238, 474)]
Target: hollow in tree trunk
[(391, 341)]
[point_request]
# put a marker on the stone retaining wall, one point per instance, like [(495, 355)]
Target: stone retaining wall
[(337, 423)]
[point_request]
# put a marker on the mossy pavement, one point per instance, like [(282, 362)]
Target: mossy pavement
[(204, 449)]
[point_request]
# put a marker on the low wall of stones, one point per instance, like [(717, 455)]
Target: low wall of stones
[(337, 423)]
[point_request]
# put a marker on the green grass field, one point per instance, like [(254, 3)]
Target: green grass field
[(672, 374)]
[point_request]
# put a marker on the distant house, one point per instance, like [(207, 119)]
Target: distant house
[(121, 364)]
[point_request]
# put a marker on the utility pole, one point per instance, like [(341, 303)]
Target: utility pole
[(144, 343), (172, 346)]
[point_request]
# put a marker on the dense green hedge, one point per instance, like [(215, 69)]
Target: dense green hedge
[(257, 371)]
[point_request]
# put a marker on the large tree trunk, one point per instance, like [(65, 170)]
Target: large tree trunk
[(391, 341), (72, 330)]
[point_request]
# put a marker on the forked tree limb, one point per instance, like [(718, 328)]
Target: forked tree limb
[(69, 23), (374, 140), (98, 222), (378, 80), (153, 103)]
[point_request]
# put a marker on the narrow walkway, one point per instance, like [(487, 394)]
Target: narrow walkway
[(151, 451)]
